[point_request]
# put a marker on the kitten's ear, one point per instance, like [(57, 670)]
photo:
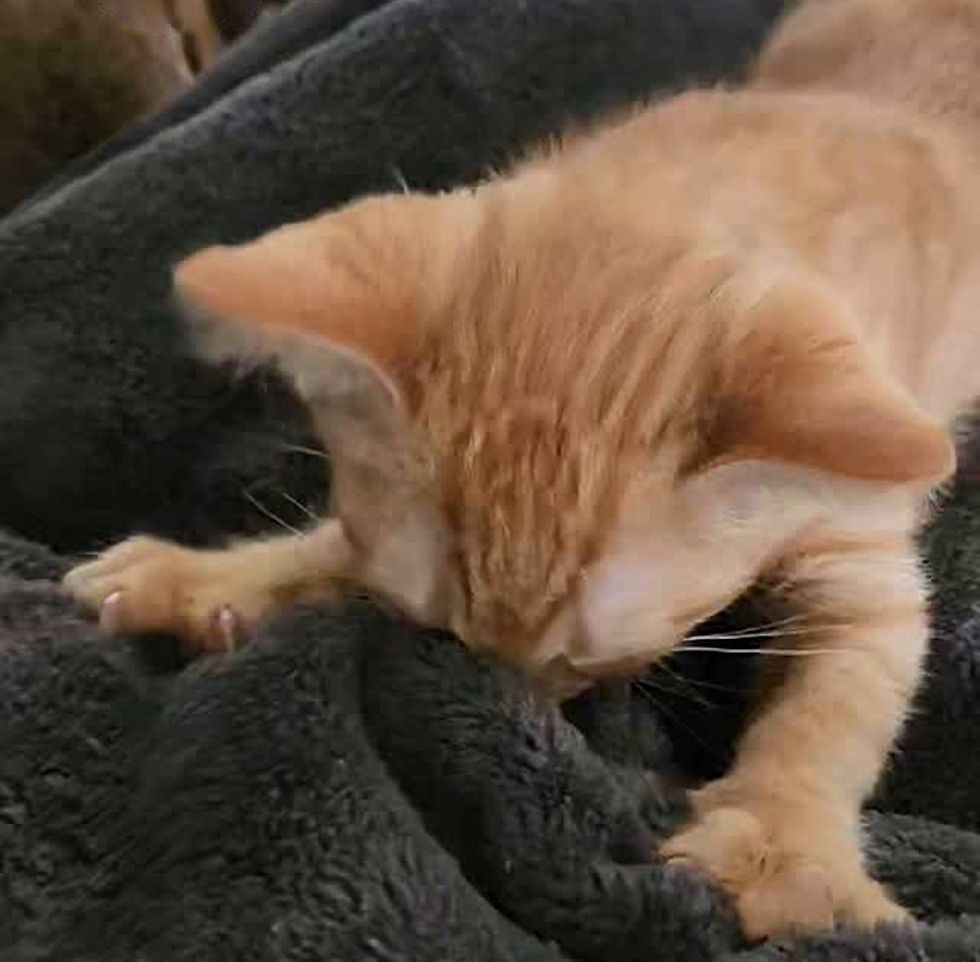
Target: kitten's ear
[(802, 388), (338, 300)]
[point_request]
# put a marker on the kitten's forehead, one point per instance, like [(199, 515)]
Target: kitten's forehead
[(543, 394), (528, 496)]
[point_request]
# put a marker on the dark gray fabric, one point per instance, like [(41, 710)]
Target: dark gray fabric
[(273, 41), (351, 788)]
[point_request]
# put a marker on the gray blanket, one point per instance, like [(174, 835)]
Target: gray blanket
[(351, 788)]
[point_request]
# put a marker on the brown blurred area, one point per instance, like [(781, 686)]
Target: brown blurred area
[(73, 72)]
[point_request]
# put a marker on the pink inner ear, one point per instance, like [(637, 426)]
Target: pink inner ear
[(210, 281), (275, 287), (349, 280), (284, 291)]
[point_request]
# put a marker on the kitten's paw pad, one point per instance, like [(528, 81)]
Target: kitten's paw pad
[(146, 585), (779, 889)]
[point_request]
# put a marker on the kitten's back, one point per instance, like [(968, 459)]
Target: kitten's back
[(921, 53)]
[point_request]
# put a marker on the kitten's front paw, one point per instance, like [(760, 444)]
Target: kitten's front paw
[(784, 879), (145, 585)]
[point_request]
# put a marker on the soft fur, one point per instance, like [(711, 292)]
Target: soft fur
[(364, 791), (578, 410)]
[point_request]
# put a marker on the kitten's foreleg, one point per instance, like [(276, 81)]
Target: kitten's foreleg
[(782, 830), (209, 598)]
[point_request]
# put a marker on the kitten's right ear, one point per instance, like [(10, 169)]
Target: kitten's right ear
[(802, 388), (340, 301)]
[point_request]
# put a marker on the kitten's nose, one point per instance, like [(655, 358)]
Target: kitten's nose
[(559, 680)]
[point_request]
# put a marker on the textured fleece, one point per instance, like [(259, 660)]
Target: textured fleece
[(351, 788)]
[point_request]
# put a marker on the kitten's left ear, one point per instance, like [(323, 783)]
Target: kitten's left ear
[(802, 387), (339, 300)]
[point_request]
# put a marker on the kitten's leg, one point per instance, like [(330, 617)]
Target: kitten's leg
[(782, 830), (209, 598)]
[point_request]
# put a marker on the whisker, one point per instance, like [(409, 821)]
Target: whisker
[(698, 683), (271, 515), (300, 449), (748, 635), (684, 683), (787, 652), (765, 626), (701, 683), (745, 636), (672, 715), (312, 515), (400, 179)]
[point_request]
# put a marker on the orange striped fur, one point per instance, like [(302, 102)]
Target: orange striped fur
[(721, 341)]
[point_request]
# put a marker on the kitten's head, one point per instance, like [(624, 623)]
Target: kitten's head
[(563, 440)]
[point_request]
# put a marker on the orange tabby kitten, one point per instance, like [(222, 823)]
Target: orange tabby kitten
[(582, 407)]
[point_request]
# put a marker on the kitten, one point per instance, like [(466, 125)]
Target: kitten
[(576, 410), (72, 72)]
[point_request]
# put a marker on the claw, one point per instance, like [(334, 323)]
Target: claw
[(230, 629), (110, 613)]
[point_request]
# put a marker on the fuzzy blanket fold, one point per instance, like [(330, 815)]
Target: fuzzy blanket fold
[(350, 788)]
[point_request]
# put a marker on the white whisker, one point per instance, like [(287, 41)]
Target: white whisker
[(765, 626), (684, 682), (299, 449), (400, 179), (787, 652), (312, 515), (272, 516), (782, 633), (650, 693)]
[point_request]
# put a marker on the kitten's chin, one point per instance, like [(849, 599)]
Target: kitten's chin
[(558, 680), (561, 679)]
